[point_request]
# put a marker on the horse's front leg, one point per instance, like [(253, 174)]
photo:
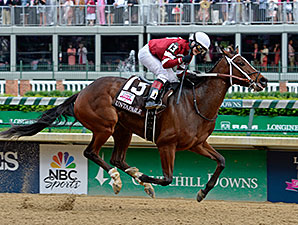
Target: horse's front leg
[(122, 138), (167, 157), (208, 151)]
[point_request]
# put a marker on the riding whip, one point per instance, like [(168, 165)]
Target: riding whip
[(181, 83)]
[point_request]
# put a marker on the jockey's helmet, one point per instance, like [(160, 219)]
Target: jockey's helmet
[(199, 40)]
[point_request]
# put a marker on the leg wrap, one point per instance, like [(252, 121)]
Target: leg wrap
[(117, 184)]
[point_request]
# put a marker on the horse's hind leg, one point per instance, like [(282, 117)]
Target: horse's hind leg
[(208, 151), (92, 153), (122, 138)]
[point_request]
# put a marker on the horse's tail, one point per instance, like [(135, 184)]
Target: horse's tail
[(63, 110)]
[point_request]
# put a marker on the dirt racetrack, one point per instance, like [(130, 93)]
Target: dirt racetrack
[(81, 209)]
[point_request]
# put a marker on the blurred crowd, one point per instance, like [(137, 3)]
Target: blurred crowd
[(132, 12)]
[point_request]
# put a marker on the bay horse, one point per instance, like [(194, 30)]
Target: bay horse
[(183, 126)]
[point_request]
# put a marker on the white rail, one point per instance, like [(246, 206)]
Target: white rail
[(43, 85), (80, 85), (292, 87), (76, 85), (2, 87)]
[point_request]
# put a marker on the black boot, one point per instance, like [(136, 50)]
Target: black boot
[(154, 97)]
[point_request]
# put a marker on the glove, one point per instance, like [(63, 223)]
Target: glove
[(186, 59)]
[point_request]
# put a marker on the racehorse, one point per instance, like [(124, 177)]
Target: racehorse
[(183, 126)]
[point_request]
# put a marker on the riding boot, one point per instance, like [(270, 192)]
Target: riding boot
[(154, 97)]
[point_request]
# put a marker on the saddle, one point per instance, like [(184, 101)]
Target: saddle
[(133, 94)]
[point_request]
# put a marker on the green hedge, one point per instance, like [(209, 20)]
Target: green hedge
[(222, 111)]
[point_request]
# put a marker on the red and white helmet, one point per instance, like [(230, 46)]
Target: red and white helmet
[(199, 40)]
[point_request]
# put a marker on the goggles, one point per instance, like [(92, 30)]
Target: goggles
[(201, 49)]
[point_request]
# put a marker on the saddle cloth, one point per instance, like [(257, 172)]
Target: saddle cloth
[(131, 97)]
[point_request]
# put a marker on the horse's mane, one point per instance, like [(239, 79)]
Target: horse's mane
[(190, 80), (213, 67)]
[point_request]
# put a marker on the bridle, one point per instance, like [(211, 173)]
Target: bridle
[(252, 83)]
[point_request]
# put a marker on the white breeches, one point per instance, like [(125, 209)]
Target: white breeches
[(154, 65)]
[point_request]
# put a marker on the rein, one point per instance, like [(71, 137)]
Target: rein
[(196, 106), (211, 75)]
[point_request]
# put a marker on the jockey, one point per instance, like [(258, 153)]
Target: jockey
[(160, 56)]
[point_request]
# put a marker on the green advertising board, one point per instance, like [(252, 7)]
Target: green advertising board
[(243, 179), (21, 118), (223, 122), (18, 117), (279, 124)]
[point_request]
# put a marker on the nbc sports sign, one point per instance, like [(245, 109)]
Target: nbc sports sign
[(63, 169)]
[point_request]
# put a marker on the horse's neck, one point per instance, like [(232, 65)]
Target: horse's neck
[(210, 95), (215, 89)]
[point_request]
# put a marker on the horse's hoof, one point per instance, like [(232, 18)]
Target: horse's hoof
[(117, 185), (201, 195), (149, 190)]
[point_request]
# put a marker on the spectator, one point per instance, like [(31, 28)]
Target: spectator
[(246, 10), (119, 9), (291, 54), (264, 57), (32, 12), (110, 11), (240, 10), (132, 11), (169, 8), (79, 12), (289, 10), (6, 13), (41, 12), (50, 11), (17, 10), (256, 55), (204, 15), (68, 12), (177, 12), (154, 8), (71, 52), (276, 51), (90, 12), (186, 10), (25, 4), (162, 6), (295, 10), (82, 53), (272, 10), (255, 10), (100, 12), (262, 10), (215, 11), (224, 11), (232, 12)]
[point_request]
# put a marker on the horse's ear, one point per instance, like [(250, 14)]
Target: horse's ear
[(237, 50), (223, 51), (219, 49)]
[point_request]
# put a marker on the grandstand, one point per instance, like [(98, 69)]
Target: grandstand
[(34, 40)]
